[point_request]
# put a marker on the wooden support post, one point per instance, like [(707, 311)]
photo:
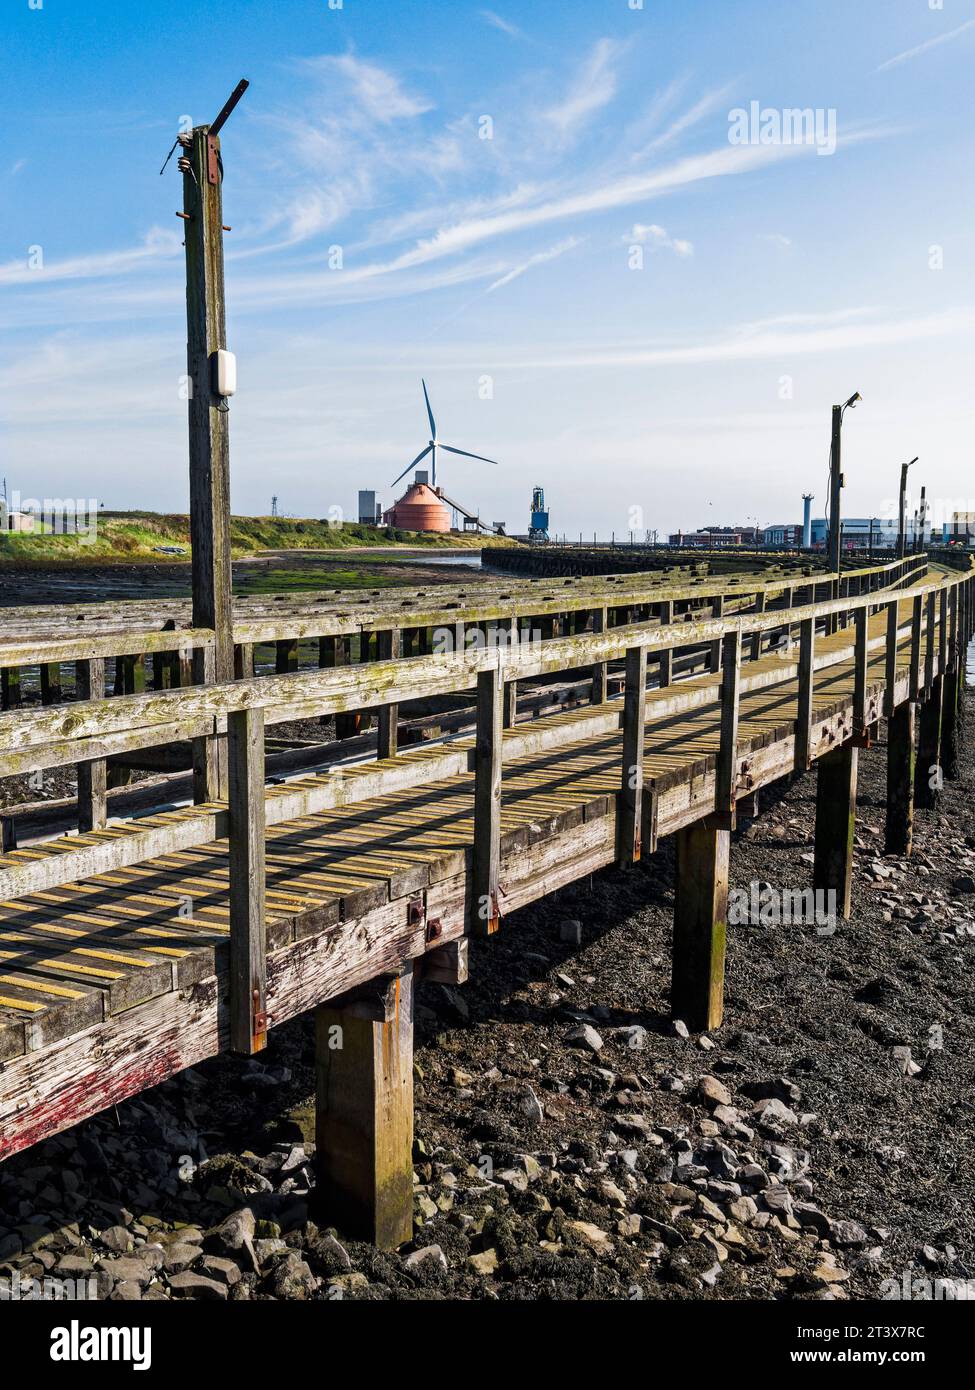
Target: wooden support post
[(942, 631), (929, 640), (285, 656), (836, 796), (629, 832), (10, 687), (915, 676), (666, 659), (890, 659), (509, 707), (486, 860), (950, 724), (600, 622), (209, 754), (51, 683), (759, 607), (714, 657), (244, 661), (726, 773), (248, 939), (700, 925), (927, 780), (364, 1120), (901, 763), (862, 632), (92, 776), (388, 648), (209, 432), (804, 707)]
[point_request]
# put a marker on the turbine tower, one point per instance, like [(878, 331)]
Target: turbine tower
[(433, 445)]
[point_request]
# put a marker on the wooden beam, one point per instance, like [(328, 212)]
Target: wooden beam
[(861, 627), (836, 794), (700, 925), (248, 946), (484, 907), (890, 658), (364, 1121), (92, 776), (50, 683), (447, 965), (665, 668), (631, 778), (901, 764)]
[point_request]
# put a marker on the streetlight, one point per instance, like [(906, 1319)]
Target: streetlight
[(902, 513), (836, 480)]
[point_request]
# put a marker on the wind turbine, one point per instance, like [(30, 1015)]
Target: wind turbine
[(435, 444)]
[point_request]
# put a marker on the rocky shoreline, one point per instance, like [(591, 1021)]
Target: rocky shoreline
[(572, 1141)]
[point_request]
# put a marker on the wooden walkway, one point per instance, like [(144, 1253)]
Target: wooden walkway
[(111, 981)]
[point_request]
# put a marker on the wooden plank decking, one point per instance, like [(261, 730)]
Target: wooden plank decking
[(113, 982)]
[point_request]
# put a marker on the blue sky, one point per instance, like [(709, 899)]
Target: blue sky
[(774, 279)]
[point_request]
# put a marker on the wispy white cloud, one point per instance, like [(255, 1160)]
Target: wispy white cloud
[(776, 239), (17, 166), (657, 238), (378, 92), (592, 89), (745, 343), (159, 245), (925, 47), (539, 258), (505, 25)]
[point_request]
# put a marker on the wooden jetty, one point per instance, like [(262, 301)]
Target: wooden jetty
[(132, 949), (136, 946)]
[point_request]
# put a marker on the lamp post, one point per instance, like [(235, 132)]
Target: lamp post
[(836, 480), (902, 512)]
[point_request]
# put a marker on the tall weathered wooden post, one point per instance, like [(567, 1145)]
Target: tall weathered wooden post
[(206, 337)]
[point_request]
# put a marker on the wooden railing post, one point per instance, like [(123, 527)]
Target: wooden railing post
[(861, 625), (756, 641), (92, 776), (629, 830), (890, 659), (388, 648), (666, 658), (726, 773), (714, 657), (486, 860), (210, 753), (599, 671), (804, 709), (915, 676), (248, 939)]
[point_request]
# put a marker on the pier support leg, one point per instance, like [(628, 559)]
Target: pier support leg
[(836, 799), (700, 925), (486, 860), (364, 1118), (901, 761), (927, 777), (51, 683), (950, 710)]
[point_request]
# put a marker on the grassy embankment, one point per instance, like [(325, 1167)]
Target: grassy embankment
[(148, 537)]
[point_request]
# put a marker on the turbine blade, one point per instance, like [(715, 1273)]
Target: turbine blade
[(411, 465), (433, 423), (451, 450)]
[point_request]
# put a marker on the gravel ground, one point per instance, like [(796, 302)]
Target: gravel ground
[(572, 1142)]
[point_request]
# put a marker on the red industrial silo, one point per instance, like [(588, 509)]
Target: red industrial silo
[(419, 509)]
